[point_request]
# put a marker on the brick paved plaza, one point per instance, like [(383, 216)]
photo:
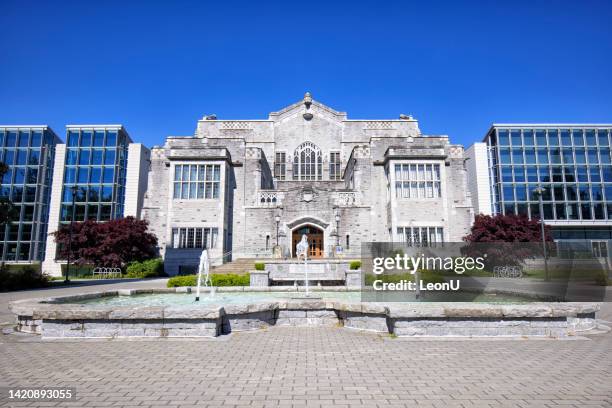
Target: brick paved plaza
[(311, 367)]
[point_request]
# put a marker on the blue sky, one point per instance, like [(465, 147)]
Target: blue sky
[(157, 67)]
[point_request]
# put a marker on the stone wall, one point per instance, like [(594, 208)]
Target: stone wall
[(58, 318)]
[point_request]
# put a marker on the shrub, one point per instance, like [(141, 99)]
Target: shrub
[(183, 280), (24, 277), (354, 265), (230, 279), (218, 279), (260, 266), (601, 278), (78, 271), (147, 269)]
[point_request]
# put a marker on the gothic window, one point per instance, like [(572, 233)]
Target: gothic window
[(334, 166), (307, 162), (280, 159)]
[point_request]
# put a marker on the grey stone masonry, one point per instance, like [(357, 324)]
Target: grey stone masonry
[(58, 318), (313, 169)]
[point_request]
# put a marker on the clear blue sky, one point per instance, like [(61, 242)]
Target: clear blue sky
[(157, 67)]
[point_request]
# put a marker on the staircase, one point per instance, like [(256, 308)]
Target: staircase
[(239, 266)]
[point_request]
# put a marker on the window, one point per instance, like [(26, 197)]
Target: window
[(334, 166), (417, 181), (280, 165), (194, 238), (420, 236), (307, 162), (197, 181)]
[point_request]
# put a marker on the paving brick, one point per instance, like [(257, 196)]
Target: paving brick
[(313, 367)]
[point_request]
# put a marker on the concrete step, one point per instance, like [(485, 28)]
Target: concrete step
[(239, 266)]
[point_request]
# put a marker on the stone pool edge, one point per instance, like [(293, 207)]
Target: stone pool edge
[(456, 319)]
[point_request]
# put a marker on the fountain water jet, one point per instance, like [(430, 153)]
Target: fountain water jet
[(203, 267)]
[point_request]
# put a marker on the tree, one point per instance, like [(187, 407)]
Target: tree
[(506, 228), (505, 240), (8, 211), (112, 243)]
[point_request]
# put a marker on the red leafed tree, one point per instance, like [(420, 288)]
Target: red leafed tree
[(505, 240), (507, 228), (112, 243)]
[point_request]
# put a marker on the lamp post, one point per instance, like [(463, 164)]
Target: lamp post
[(277, 219), (539, 191), (74, 190)]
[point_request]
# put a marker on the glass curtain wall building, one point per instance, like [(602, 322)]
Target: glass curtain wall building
[(110, 174), (572, 165), (28, 152), (96, 162)]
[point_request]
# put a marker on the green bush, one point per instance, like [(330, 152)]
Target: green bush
[(36, 267), (147, 269), (24, 277), (354, 265), (601, 278), (78, 271), (260, 266), (182, 280), (218, 279)]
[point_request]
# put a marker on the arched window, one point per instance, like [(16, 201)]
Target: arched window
[(307, 162)]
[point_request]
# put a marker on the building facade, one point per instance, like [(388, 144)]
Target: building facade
[(240, 187), (109, 171), (29, 153), (570, 162)]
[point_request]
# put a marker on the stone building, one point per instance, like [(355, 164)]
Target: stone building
[(240, 187)]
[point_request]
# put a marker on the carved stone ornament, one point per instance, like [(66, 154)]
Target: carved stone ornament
[(308, 195)]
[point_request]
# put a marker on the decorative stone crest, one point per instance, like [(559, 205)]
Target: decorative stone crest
[(308, 195)]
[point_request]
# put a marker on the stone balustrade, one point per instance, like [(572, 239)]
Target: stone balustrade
[(347, 199), (269, 198)]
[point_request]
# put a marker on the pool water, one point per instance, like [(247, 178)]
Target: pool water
[(228, 298)]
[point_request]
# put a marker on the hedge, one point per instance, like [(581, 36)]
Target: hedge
[(147, 269), (260, 266), (78, 271), (22, 277), (354, 265), (218, 279)]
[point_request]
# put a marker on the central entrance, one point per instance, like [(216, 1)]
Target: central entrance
[(315, 240)]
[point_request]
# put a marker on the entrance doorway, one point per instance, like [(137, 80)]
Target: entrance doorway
[(315, 240)]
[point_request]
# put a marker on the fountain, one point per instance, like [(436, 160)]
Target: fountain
[(204, 267)]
